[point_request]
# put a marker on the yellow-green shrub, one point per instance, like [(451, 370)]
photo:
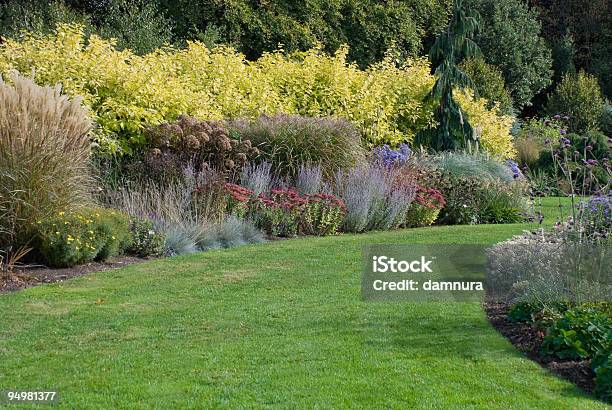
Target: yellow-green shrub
[(126, 92), (494, 128)]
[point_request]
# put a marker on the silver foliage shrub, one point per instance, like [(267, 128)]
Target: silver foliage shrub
[(545, 268)]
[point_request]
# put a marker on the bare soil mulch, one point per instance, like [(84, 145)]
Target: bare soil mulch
[(528, 340), (25, 277)]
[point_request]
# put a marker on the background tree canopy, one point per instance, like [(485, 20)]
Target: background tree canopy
[(533, 44), (369, 27), (510, 39)]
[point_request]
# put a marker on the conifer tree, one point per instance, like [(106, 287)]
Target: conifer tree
[(454, 130)]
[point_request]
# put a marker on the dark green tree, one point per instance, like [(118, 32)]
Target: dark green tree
[(451, 47), (510, 39)]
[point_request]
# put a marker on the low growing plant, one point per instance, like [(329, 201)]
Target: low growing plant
[(323, 214), (579, 333), (74, 237), (425, 208), (601, 364), (146, 241)]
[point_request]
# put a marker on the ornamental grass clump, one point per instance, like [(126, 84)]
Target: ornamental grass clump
[(44, 153), (463, 164), (288, 141)]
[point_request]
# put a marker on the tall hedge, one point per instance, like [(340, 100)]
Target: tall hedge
[(127, 92)]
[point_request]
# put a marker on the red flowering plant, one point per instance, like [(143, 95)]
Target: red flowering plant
[(323, 214), (284, 212), (278, 215), (239, 198), (425, 208), (429, 198)]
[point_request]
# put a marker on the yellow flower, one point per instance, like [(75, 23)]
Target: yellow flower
[(62, 213)]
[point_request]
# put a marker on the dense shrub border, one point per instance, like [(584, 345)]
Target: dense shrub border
[(127, 93)]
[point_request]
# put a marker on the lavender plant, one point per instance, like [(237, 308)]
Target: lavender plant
[(373, 196), (309, 179), (257, 177)]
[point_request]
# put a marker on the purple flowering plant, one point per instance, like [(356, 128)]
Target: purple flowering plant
[(391, 157), (589, 220)]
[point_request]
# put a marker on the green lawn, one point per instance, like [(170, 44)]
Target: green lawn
[(273, 325)]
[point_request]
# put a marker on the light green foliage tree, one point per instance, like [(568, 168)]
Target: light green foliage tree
[(579, 97)]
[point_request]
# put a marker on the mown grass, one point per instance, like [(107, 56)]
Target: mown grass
[(273, 325)]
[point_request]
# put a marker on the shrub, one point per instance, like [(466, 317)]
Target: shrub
[(74, 237), (126, 93), (579, 333), (146, 241), (370, 28), (523, 312), (44, 151), (488, 83), (116, 226), (606, 119), (287, 142), (579, 97), (477, 188), (510, 39)]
